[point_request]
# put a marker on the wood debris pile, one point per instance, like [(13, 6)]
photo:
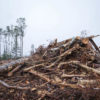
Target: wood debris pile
[(67, 70)]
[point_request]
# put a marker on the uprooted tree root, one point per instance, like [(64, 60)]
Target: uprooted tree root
[(67, 70)]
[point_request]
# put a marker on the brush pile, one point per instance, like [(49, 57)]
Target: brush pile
[(67, 70)]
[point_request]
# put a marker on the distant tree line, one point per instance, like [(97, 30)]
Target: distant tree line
[(11, 40)]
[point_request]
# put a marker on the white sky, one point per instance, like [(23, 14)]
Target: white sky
[(50, 19)]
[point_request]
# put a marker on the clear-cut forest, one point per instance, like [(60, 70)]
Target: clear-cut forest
[(66, 70)]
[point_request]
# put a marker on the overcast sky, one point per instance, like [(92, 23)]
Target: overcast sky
[(50, 19)]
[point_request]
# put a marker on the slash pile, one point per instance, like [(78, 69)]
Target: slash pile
[(67, 70)]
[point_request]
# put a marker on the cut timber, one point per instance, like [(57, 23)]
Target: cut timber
[(66, 53), (80, 65), (85, 40), (85, 67), (41, 86), (14, 70), (62, 63), (88, 82), (63, 42), (10, 65), (52, 81), (38, 65), (93, 43), (13, 87), (68, 40), (44, 77), (45, 93), (70, 76)]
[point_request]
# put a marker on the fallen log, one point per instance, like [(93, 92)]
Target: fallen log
[(70, 76), (94, 44), (52, 81), (77, 63), (87, 82), (38, 65), (14, 70), (9, 66), (66, 53), (85, 67), (13, 87), (67, 40)]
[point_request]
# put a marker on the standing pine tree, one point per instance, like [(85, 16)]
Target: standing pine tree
[(21, 26)]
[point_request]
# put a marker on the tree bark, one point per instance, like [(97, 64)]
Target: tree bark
[(9, 66)]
